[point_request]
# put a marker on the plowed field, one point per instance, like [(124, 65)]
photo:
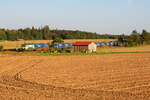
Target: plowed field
[(97, 77)]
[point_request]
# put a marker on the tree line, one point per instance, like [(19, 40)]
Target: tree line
[(135, 38), (45, 33)]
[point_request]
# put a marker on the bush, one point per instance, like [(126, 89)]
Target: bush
[(1, 48), (53, 49), (20, 50), (63, 50)]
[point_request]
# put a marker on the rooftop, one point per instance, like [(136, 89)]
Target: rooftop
[(82, 43)]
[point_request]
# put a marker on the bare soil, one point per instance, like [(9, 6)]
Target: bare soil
[(91, 77)]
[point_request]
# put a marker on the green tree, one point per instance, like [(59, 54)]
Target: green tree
[(39, 36), (20, 35), (3, 35), (136, 38), (145, 37), (46, 33), (33, 32), (122, 38), (27, 34), (1, 48), (11, 35), (57, 40)]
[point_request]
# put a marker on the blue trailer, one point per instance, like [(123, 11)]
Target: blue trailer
[(61, 45), (41, 46)]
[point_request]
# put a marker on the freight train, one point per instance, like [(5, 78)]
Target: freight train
[(46, 46), (99, 44), (36, 47)]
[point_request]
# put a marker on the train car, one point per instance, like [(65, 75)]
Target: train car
[(28, 47), (41, 46), (61, 45), (98, 44), (55, 45), (102, 44), (107, 44), (68, 44), (111, 44)]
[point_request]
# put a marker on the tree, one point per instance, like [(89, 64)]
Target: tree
[(122, 38), (3, 35), (46, 33), (1, 48), (33, 33), (136, 38), (145, 37), (20, 35), (132, 40), (11, 35), (58, 40), (27, 34)]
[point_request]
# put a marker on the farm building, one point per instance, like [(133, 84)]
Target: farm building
[(84, 47)]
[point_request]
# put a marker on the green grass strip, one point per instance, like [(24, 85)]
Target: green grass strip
[(79, 54)]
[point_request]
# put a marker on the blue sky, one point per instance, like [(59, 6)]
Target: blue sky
[(101, 16)]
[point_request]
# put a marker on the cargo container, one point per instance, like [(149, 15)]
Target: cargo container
[(61, 45), (41, 46), (106, 44)]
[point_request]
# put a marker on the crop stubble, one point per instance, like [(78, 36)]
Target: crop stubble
[(91, 77)]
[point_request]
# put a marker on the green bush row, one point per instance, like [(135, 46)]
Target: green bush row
[(1, 48)]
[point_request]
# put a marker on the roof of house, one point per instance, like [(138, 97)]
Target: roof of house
[(82, 43)]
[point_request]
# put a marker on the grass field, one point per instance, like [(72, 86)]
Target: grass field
[(78, 54), (17, 44), (89, 77)]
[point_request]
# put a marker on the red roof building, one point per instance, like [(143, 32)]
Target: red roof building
[(82, 43), (84, 47)]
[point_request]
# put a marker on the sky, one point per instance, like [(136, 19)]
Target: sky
[(100, 16)]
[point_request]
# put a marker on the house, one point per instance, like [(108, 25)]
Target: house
[(84, 47)]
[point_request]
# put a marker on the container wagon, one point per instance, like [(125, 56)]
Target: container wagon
[(35, 47), (61, 45), (28, 47), (41, 46)]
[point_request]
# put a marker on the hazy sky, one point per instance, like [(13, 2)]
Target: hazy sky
[(101, 16)]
